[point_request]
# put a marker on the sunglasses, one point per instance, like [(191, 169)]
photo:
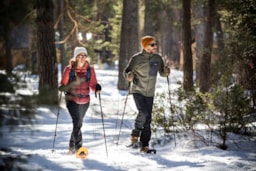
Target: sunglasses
[(153, 44)]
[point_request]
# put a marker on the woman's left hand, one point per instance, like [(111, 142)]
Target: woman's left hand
[(98, 88)]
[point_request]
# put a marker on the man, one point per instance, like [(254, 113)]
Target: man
[(142, 71)]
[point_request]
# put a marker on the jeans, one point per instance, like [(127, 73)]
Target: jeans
[(77, 113)]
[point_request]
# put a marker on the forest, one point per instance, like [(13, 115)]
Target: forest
[(212, 42)]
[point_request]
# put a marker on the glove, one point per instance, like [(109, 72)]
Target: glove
[(130, 76), (63, 88), (166, 70), (98, 88)]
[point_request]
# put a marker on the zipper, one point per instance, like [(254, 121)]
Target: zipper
[(148, 74)]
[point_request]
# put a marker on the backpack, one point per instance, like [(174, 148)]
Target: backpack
[(72, 76)]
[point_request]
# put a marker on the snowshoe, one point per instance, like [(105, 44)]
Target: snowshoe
[(82, 153), (151, 151), (148, 150)]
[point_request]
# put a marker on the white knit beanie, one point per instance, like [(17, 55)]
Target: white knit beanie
[(79, 50)]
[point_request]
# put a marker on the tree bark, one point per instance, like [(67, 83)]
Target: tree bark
[(199, 15), (148, 18), (204, 76), (8, 48), (166, 27), (129, 43), (187, 52), (47, 53), (62, 36), (176, 36)]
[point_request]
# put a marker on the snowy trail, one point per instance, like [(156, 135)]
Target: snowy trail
[(35, 144)]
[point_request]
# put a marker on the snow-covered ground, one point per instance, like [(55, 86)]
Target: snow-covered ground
[(35, 143)]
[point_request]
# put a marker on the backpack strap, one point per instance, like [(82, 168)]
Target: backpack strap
[(88, 74), (72, 76)]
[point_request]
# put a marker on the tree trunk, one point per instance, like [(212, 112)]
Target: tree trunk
[(8, 48), (187, 52), (63, 60), (199, 15), (176, 36), (166, 39), (148, 18), (204, 75), (220, 35), (47, 53), (129, 38)]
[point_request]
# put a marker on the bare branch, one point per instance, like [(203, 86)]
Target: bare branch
[(72, 15), (67, 37)]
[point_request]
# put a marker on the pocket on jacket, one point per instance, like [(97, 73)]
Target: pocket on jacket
[(153, 68)]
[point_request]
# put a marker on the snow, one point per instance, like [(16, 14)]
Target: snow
[(35, 143)]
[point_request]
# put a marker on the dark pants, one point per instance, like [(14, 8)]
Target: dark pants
[(77, 113), (142, 123)]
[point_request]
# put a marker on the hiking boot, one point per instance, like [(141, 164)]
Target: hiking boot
[(144, 149), (71, 150), (134, 142), (134, 139)]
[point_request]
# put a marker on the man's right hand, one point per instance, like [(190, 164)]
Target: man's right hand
[(130, 76), (167, 70)]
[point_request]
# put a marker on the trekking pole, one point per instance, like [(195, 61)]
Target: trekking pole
[(58, 113), (121, 124), (102, 119), (169, 92)]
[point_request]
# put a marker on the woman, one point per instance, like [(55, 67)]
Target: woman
[(77, 80)]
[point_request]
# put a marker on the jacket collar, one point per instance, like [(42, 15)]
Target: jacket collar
[(146, 54)]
